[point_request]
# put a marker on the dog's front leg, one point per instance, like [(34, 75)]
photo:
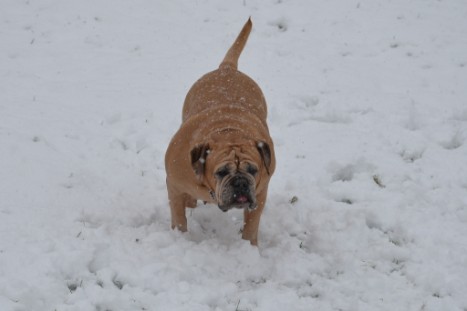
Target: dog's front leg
[(252, 218), (177, 210)]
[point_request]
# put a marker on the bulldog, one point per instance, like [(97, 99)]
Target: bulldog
[(222, 152)]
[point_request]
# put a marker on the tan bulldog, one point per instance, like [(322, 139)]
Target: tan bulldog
[(222, 152)]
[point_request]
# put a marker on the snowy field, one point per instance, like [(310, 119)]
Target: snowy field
[(368, 110)]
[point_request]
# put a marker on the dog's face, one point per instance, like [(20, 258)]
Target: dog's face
[(232, 171)]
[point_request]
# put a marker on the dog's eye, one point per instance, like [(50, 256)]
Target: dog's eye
[(252, 170), (222, 172)]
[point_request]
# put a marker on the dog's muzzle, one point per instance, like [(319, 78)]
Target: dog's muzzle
[(238, 193)]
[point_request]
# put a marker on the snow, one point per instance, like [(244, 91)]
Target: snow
[(367, 209)]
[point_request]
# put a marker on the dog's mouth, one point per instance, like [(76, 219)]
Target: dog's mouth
[(239, 201)]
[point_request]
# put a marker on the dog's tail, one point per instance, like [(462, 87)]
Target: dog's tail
[(231, 58)]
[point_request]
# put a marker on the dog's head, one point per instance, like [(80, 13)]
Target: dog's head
[(233, 171)]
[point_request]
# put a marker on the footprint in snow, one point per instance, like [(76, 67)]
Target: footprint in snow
[(456, 141), (280, 24), (411, 156)]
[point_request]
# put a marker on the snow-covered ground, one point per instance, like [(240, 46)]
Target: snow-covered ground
[(368, 110)]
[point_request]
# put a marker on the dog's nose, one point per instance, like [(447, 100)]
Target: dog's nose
[(240, 184)]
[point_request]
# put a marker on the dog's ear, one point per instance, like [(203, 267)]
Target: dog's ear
[(265, 152), (198, 159)]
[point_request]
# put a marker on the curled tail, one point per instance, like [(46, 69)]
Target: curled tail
[(231, 58)]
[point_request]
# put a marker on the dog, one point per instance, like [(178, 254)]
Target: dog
[(222, 152)]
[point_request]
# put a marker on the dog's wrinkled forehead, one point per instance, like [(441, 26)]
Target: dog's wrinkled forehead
[(232, 153)]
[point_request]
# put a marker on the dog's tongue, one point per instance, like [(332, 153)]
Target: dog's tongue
[(242, 199)]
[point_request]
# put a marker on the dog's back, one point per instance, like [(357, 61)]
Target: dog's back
[(227, 86)]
